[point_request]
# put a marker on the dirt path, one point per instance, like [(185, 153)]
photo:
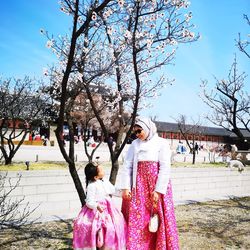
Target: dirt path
[(215, 225), (202, 226)]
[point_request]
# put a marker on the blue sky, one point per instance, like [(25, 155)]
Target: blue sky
[(23, 51)]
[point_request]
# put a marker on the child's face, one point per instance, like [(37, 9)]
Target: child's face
[(100, 172)]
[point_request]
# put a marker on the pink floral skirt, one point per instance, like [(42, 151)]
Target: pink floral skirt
[(89, 221), (137, 213)]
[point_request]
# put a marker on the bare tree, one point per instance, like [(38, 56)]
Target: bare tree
[(120, 46), (243, 44), (21, 106), (13, 212), (230, 104), (193, 131)]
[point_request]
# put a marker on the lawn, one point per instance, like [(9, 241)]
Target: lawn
[(45, 165), (199, 165), (50, 165)]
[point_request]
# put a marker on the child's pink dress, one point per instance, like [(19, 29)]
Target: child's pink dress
[(90, 220)]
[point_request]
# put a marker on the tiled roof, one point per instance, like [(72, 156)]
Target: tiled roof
[(245, 133), (173, 127)]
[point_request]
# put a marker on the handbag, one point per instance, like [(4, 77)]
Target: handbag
[(100, 237), (153, 222)]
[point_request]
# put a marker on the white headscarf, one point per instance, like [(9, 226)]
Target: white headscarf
[(147, 125)]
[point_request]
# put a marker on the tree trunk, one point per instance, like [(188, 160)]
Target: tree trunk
[(77, 182), (114, 171), (8, 156), (194, 152), (8, 160), (115, 156), (242, 145)]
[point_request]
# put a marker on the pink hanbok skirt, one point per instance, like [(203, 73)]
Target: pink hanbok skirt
[(89, 221), (137, 213)]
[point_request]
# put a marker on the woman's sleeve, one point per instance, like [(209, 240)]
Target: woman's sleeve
[(164, 172), (124, 177), (90, 199)]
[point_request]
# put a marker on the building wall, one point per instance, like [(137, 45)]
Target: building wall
[(200, 139), (54, 195)]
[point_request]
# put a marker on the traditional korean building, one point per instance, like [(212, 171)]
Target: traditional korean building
[(204, 135), (207, 135)]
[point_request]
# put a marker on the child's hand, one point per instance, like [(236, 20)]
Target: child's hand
[(100, 208)]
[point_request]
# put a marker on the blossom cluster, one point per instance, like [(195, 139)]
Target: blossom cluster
[(124, 33)]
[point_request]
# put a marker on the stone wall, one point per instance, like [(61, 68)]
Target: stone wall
[(54, 195)]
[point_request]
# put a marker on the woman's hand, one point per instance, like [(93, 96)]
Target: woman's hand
[(155, 196), (126, 194)]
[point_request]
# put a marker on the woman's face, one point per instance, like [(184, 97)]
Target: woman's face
[(140, 133)]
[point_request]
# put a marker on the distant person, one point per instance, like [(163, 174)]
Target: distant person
[(230, 150), (99, 215), (179, 148), (33, 135), (45, 141), (111, 141), (183, 149), (76, 139), (90, 141), (196, 148), (62, 137)]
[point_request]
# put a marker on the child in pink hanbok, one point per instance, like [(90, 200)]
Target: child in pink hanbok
[(146, 189), (99, 218)]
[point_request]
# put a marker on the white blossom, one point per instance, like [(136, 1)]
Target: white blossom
[(109, 30), (94, 16), (45, 72), (128, 34), (49, 43)]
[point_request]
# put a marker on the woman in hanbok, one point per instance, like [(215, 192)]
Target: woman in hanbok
[(146, 188), (99, 225)]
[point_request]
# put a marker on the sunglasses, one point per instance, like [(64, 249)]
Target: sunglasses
[(137, 131)]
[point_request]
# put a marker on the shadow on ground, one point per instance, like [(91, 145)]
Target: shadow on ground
[(50, 235), (202, 226), (215, 224)]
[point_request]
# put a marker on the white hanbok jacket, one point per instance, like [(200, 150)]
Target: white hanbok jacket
[(98, 191), (156, 149)]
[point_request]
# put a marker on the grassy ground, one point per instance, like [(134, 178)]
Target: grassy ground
[(215, 225), (46, 165), (202, 226), (199, 165), (49, 165)]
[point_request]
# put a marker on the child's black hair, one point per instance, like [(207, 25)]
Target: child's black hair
[(90, 172)]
